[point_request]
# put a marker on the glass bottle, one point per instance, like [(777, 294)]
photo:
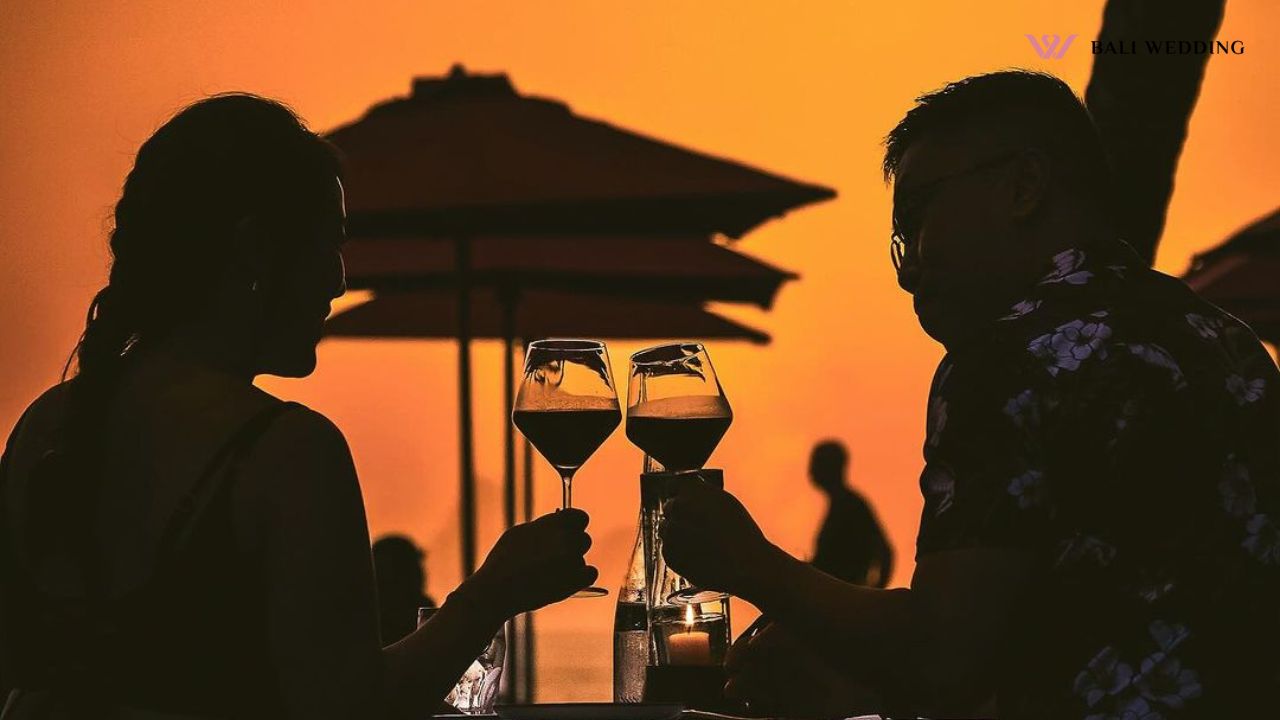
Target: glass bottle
[(631, 626)]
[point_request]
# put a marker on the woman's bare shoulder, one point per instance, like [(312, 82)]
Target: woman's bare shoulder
[(51, 401), (299, 480), (301, 452), (41, 416), (299, 429)]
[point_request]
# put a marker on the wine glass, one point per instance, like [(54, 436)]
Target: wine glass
[(677, 413), (676, 410), (566, 408)]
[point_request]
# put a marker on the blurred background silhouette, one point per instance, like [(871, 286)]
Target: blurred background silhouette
[(400, 568), (804, 89), (851, 544)]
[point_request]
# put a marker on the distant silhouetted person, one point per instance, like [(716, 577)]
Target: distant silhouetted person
[(175, 541), (1100, 527), (851, 544), (400, 569)]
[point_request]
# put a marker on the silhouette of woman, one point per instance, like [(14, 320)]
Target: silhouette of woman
[(177, 543)]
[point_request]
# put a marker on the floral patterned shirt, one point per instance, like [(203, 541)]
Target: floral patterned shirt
[(1127, 434)]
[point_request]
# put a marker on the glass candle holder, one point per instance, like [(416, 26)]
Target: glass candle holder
[(688, 634), (690, 642)]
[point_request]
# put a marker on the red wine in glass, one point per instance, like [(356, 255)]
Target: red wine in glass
[(679, 432), (566, 438)]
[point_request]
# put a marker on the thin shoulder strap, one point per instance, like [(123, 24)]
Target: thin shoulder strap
[(222, 468)]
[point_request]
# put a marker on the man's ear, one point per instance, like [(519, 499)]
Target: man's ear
[(1030, 182)]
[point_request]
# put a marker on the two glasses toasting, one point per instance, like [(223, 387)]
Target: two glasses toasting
[(567, 406)]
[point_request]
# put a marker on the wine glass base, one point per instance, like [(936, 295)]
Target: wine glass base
[(590, 592)]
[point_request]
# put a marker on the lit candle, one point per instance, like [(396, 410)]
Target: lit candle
[(691, 647)]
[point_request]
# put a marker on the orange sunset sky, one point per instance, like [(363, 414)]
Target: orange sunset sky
[(806, 89)]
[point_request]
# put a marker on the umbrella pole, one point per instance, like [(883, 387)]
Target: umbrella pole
[(465, 430), (515, 647), (527, 635), (507, 297)]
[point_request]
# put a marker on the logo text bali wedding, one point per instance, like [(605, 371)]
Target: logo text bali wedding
[(1054, 47)]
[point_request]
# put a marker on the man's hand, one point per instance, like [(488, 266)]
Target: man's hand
[(711, 539), (773, 673)]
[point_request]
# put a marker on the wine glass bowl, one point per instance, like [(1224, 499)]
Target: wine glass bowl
[(566, 407), (676, 410), (568, 436)]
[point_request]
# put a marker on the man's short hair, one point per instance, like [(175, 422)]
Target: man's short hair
[(1031, 109)]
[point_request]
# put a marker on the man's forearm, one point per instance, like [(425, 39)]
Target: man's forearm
[(933, 643), (866, 630), (886, 564)]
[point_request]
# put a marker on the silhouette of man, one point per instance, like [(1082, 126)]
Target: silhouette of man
[(400, 569), (851, 544), (1100, 534)]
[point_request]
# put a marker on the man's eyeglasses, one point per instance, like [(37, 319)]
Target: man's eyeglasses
[(909, 207)]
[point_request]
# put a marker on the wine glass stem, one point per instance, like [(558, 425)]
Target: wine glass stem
[(566, 482)]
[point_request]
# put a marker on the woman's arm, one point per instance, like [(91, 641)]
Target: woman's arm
[(531, 565), (301, 506), (424, 665), (321, 597)]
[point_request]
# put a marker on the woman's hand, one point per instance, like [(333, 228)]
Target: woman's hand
[(711, 539), (532, 565)]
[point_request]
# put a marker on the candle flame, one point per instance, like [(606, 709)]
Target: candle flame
[(688, 615)]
